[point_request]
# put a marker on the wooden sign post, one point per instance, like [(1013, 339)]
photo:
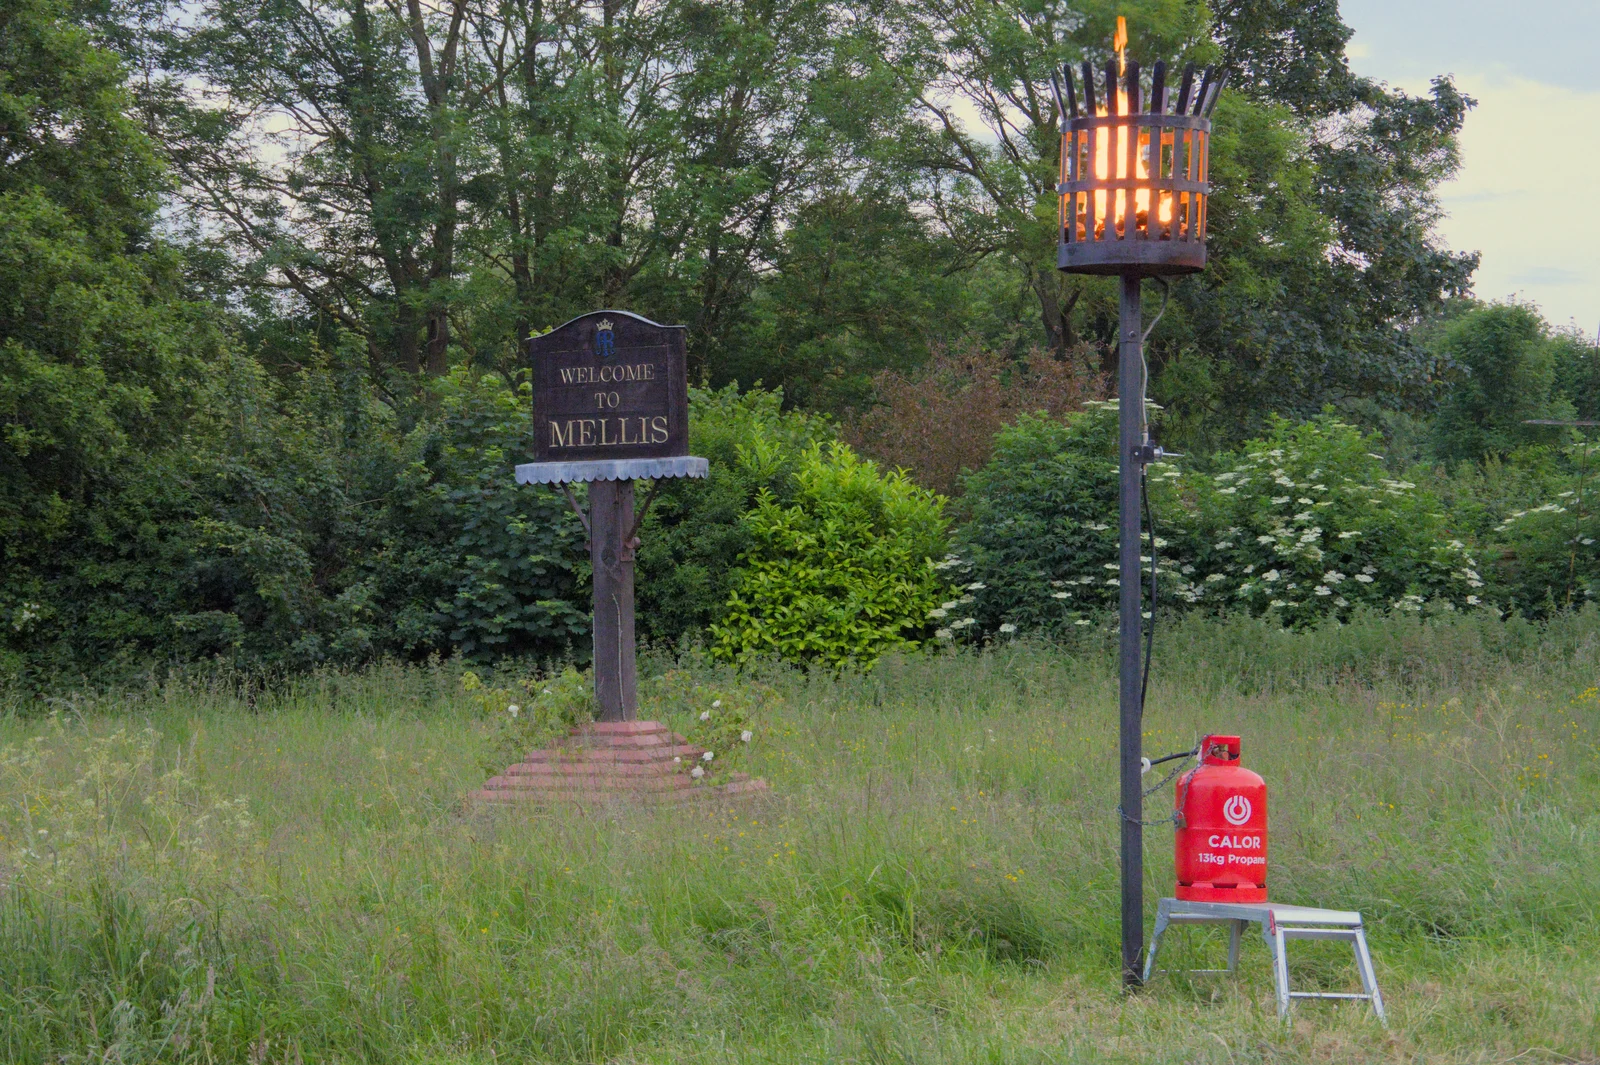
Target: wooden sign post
[(611, 406)]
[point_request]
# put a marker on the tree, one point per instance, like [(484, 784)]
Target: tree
[(1321, 238), (100, 352), (450, 177), (991, 185), (367, 106), (1504, 369)]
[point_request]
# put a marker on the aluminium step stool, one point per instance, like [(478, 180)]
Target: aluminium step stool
[(1279, 924)]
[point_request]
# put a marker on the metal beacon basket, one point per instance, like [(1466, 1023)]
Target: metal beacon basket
[(1134, 182)]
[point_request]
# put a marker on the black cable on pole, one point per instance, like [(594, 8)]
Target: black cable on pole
[(1150, 630)]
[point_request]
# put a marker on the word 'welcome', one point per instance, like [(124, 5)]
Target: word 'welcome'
[(592, 375)]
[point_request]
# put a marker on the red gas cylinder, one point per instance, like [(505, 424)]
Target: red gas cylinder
[(1222, 827)]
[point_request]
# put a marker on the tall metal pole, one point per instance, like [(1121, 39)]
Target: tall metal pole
[(1130, 409)]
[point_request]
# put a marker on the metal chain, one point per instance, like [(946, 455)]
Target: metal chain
[(1177, 814)]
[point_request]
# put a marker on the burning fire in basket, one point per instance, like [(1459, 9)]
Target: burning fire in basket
[(1130, 171)]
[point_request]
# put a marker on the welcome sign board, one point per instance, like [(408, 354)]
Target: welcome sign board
[(609, 385)]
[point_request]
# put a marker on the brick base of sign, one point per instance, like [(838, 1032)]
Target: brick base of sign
[(636, 761)]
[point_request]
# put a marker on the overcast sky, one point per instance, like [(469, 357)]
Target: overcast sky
[(1528, 196)]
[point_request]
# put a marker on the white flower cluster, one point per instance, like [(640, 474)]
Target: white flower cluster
[(26, 615), (1548, 508)]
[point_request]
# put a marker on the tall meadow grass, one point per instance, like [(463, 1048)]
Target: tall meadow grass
[(216, 869)]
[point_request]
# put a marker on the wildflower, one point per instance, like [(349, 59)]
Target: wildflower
[(1473, 600), (1278, 603), (677, 760), (707, 756), (697, 772), (1226, 491), (1224, 545), (1265, 539), (938, 612), (715, 703), (1060, 595), (1364, 578), (1008, 628), (1348, 533), (1341, 601), (546, 691), (1113, 582), (705, 715), (976, 586), (513, 709), (1080, 621), (1304, 499), (1110, 565), (1323, 589), (963, 623), (951, 605), (1279, 499), (746, 736), (942, 634), (1270, 576)]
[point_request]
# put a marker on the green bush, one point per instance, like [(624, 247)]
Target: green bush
[(1040, 546), (1306, 523), (1577, 374), (1534, 513), (694, 533), (843, 573), (1505, 367)]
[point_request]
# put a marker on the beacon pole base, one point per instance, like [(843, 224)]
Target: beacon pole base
[(1279, 924)]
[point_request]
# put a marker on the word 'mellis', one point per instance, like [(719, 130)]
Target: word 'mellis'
[(596, 375), (608, 432)]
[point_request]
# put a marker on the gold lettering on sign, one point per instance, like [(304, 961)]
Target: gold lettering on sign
[(607, 432), (605, 375)]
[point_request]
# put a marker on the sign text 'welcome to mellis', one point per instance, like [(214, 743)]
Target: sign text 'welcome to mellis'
[(609, 385)]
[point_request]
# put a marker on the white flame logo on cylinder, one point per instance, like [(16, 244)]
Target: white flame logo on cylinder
[(1236, 810)]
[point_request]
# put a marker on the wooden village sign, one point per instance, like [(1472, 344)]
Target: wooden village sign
[(611, 406)]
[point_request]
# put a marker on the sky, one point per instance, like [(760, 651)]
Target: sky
[(1528, 194)]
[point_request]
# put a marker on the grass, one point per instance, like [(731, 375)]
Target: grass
[(289, 875)]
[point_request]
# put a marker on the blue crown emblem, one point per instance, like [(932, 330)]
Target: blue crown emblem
[(605, 341)]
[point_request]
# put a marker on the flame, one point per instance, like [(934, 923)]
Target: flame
[(1117, 215)]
